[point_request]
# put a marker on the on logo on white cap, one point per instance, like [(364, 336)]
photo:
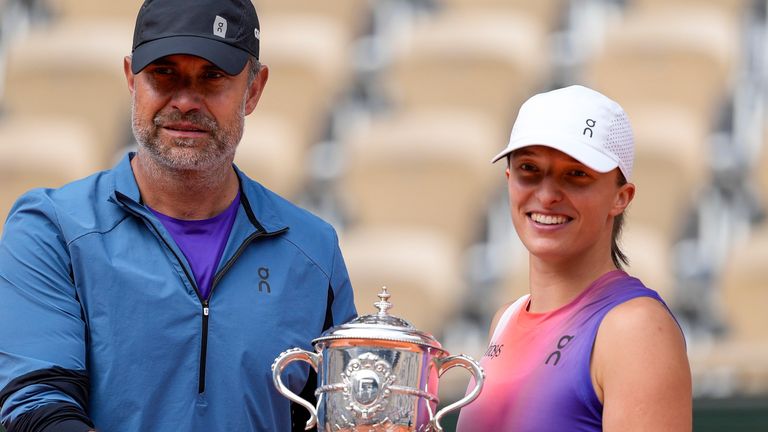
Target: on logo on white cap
[(220, 27)]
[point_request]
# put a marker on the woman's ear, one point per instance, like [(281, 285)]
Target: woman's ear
[(624, 196)]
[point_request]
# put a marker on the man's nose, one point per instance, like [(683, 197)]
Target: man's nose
[(186, 97)]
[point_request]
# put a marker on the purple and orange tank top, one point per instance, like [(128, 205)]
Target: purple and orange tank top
[(538, 364)]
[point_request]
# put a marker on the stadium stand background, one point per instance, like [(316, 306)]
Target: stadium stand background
[(382, 116)]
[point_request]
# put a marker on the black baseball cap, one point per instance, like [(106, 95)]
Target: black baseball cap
[(224, 32)]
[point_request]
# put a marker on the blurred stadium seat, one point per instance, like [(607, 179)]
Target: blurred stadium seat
[(425, 169), (422, 270), (744, 287), (734, 9), (728, 368), (761, 173), (271, 150), (308, 59), (738, 362), (671, 166), (655, 56), (650, 257), (545, 12), (74, 69), (488, 62), (94, 9), (42, 152), (350, 15), (514, 282)]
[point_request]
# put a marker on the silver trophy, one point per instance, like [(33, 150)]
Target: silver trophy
[(377, 373)]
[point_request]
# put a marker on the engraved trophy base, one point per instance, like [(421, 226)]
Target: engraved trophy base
[(381, 428)]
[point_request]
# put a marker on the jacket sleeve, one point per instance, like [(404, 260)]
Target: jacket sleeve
[(341, 299), (340, 308), (43, 379)]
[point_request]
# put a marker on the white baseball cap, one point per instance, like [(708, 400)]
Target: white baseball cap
[(580, 122)]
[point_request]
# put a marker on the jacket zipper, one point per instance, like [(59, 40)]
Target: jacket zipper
[(203, 346), (203, 349), (206, 310)]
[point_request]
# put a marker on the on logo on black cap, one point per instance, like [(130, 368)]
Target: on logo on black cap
[(220, 27)]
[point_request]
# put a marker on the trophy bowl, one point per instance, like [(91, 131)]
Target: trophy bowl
[(377, 373)]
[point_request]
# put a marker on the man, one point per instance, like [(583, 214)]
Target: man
[(590, 348), (156, 295)]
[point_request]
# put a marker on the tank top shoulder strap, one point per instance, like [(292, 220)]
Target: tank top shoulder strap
[(508, 313)]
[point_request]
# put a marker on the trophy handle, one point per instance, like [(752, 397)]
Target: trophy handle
[(280, 363), (467, 363)]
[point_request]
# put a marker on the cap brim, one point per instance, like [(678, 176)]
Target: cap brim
[(230, 59), (582, 152)]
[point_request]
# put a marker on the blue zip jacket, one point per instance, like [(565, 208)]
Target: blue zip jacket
[(101, 322)]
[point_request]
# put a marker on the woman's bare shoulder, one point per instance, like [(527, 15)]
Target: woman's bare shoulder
[(640, 366)]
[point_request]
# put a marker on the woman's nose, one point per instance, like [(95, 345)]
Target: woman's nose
[(549, 191)]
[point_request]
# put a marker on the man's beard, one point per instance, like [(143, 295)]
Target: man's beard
[(185, 154)]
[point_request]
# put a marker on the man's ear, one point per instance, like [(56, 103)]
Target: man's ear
[(624, 196), (256, 89), (129, 76)]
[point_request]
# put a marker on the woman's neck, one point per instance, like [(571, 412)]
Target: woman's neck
[(555, 284)]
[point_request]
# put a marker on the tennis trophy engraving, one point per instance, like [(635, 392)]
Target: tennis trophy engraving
[(377, 373)]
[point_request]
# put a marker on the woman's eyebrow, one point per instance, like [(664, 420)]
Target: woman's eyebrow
[(523, 152)]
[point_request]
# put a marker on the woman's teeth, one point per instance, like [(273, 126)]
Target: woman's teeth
[(548, 219)]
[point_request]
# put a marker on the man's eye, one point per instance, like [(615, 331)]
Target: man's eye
[(578, 173), (213, 74), (527, 167)]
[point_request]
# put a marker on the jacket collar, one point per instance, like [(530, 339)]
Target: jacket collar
[(256, 200)]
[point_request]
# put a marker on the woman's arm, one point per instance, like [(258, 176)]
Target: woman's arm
[(640, 369)]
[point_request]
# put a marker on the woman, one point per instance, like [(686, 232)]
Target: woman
[(590, 348)]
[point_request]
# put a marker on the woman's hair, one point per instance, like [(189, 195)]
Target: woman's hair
[(617, 255)]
